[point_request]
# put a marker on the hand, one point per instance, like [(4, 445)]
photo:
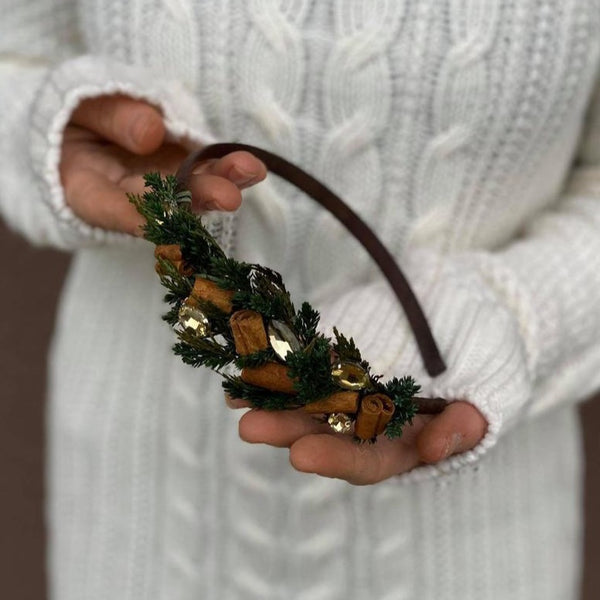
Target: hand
[(314, 448), (111, 141)]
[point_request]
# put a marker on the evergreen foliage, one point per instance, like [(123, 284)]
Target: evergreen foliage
[(311, 369), (259, 397), (346, 348), (401, 391), (255, 359), (306, 322), (230, 274), (203, 352)]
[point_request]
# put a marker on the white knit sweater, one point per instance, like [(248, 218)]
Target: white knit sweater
[(452, 126)]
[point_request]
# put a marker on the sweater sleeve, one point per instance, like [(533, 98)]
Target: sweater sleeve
[(519, 328), (44, 75)]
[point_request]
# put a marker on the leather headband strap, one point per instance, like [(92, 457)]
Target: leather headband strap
[(356, 226)]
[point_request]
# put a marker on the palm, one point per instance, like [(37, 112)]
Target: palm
[(314, 448), (86, 151)]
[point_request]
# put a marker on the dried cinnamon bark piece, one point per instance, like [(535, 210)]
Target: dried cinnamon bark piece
[(367, 419), (387, 412), (340, 402), (271, 376), (209, 291), (248, 332), (170, 252)]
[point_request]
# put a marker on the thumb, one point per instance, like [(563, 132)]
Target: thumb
[(458, 429), (132, 124)]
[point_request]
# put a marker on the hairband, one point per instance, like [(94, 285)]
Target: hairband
[(239, 320)]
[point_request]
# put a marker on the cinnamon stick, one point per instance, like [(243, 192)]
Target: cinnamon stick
[(367, 418), (170, 252), (209, 291), (387, 412), (340, 402), (248, 332), (271, 376)]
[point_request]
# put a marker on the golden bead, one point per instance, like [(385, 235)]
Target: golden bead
[(340, 422), (193, 321), (350, 376)]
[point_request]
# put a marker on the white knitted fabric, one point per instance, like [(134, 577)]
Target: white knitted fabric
[(453, 127)]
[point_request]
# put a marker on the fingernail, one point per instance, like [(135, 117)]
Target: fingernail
[(454, 442), (212, 205), (201, 168), (240, 176)]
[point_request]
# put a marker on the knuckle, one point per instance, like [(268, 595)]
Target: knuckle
[(75, 184), (245, 431), (106, 114)]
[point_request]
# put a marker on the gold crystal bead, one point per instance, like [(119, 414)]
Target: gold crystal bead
[(193, 321), (282, 339), (340, 422), (350, 376)]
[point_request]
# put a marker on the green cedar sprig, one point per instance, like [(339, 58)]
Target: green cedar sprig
[(306, 322), (259, 397), (255, 359), (231, 274), (401, 391), (311, 369), (203, 352), (168, 223)]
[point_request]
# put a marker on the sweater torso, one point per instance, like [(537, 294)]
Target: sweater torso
[(444, 124)]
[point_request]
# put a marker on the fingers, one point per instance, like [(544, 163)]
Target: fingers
[(210, 192), (458, 429), (236, 403), (241, 168), (216, 184), (340, 457), (280, 429), (96, 175), (131, 124), (101, 203), (314, 448)]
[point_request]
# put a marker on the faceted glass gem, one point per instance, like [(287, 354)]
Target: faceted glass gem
[(194, 321), (282, 339), (350, 376), (340, 422)]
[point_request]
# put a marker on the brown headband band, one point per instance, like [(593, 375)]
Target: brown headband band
[(356, 226)]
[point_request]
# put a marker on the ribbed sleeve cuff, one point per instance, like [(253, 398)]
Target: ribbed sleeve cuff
[(482, 341), (85, 77)]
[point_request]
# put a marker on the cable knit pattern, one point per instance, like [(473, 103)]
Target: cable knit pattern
[(356, 99), (460, 104), (452, 126)]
